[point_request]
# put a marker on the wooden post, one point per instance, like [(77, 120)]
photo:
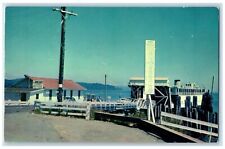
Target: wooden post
[(208, 120), (149, 112), (158, 112), (62, 50), (160, 121), (190, 124), (196, 116), (160, 108), (210, 136), (210, 128), (88, 112), (150, 109)]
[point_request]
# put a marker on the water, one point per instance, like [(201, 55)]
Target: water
[(112, 95), (216, 102)]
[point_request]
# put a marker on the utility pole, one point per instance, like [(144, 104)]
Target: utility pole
[(105, 88), (64, 13)]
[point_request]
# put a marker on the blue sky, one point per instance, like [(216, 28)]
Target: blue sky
[(111, 40)]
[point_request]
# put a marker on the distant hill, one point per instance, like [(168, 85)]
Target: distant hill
[(98, 86), (88, 86), (9, 83)]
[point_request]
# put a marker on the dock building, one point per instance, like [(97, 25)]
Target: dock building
[(32, 89)]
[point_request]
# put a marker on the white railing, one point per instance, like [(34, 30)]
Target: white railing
[(79, 109), (16, 103), (62, 108), (189, 120)]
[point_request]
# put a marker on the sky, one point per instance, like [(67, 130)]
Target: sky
[(110, 40)]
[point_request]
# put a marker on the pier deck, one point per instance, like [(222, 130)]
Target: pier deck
[(161, 131)]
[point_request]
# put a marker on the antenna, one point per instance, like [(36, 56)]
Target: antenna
[(212, 85)]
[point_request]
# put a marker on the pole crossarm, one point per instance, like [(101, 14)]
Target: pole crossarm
[(65, 12)]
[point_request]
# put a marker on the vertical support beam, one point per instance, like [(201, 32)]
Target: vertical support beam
[(170, 104), (71, 94), (150, 109), (79, 94), (149, 76), (160, 110), (62, 53)]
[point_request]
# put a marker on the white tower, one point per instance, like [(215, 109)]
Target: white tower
[(149, 76), (149, 67)]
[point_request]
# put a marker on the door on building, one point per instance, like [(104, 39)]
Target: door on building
[(50, 94), (23, 97)]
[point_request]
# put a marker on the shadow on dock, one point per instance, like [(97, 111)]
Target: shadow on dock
[(164, 133)]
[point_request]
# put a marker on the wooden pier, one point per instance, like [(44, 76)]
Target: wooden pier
[(169, 127), (81, 109), (163, 132), (198, 123)]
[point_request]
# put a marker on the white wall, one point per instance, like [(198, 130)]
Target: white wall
[(43, 98), (31, 97), (183, 98)]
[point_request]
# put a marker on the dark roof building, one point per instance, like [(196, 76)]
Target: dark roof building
[(50, 83), (33, 88)]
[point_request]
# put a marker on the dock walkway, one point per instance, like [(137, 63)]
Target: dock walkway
[(161, 131), (81, 109)]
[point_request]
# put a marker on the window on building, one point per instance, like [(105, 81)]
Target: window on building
[(37, 96)]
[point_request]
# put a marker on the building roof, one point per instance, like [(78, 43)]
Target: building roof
[(51, 83), (139, 81), (22, 90), (142, 78)]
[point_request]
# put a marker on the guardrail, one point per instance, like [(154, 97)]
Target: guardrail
[(63, 108), (16, 103), (210, 126), (80, 109), (112, 106)]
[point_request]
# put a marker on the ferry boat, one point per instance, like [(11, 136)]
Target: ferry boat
[(188, 93), (175, 96)]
